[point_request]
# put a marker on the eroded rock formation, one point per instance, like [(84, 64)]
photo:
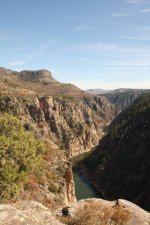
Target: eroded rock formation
[(69, 120), (27, 212)]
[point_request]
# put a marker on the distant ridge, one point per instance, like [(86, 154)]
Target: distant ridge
[(36, 81), (122, 97), (98, 91)]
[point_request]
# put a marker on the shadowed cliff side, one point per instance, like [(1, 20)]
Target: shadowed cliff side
[(119, 166)]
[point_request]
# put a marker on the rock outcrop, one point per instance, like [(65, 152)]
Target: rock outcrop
[(88, 211), (99, 211), (36, 76), (26, 213), (33, 82)]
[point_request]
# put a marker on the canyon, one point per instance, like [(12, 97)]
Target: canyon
[(70, 122), (119, 166)]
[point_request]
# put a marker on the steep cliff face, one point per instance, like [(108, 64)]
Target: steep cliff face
[(52, 186), (73, 124), (37, 76), (70, 123), (122, 98), (71, 118), (119, 166)]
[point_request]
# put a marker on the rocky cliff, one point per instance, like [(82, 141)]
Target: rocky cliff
[(27, 212), (37, 76), (73, 122), (122, 98), (119, 166), (69, 123)]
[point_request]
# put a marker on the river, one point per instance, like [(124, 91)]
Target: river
[(83, 188)]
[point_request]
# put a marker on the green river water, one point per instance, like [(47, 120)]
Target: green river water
[(83, 187)]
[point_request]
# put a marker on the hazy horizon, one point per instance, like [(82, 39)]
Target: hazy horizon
[(92, 44)]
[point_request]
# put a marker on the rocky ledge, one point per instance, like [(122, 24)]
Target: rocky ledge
[(101, 212), (26, 213), (88, 211)]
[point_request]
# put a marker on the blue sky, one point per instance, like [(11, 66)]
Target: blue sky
[(91, 43)]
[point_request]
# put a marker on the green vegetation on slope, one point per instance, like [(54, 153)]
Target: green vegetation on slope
[(120, 164), (20, 155)]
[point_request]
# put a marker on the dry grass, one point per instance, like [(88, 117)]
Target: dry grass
[(96, 214)]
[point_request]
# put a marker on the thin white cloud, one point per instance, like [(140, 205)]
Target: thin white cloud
[(87, 25), (83, 27), (135, 38), (123, 62), (43, 47), (96, 46), (145, 10), (114, 50), (17, 63), (135, 1), (133, 13), (13, 50), (101, 46), (121, 14), (142, 28)]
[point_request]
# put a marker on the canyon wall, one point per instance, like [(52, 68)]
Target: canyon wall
[(70, 126), (67, 119), (73, 124), (119, 167)]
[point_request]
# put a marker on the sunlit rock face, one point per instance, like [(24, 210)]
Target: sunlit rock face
[(39, 75), (27, 213), (71, 121)]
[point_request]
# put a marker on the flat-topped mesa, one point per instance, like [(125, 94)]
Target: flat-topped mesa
[(37, 76), (4, 71)]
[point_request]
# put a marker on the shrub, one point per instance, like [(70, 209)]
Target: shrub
[(96, 214), (20, 155), (51, 175), (53, 188)]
